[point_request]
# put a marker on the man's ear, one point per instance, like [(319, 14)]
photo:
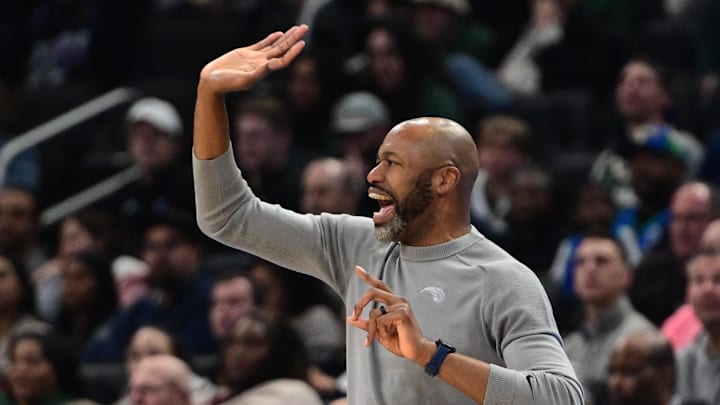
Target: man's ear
[(446, 179)]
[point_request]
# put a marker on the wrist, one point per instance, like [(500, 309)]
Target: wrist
[(426, 352)]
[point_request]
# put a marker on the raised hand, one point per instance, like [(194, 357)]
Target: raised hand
[(396, 327), (241, 68)]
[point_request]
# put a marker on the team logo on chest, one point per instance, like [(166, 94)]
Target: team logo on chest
[(437, 293)]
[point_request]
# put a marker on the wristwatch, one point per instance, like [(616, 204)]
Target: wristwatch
[(443, 349)]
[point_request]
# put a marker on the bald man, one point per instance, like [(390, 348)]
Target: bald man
[(330, 185), (642, 370), (160, 380), (418, 277)]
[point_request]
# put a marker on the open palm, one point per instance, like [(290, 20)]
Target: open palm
[(241, 68)]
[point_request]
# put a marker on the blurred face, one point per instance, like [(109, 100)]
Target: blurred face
[(633, 380), (31, 374), (401, 185), (150, 387), (640, 95), (74, 237), (531, 198), (499, 158), (10, 287), (17, 218), (601, 276), (323, 189), (169, 255), (703, 289), (388, 68), (305, 85), (78, 284), (256, 142), (148, 342), (594, 210), (248, 347), (655, 178), (231, 299), (689, 216), (150, 148)]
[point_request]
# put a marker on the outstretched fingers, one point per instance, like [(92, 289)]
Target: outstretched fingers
[(266, 42)]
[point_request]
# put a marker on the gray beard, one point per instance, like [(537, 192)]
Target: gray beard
[(391, 231)]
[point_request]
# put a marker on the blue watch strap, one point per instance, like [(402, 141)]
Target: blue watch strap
[(443, 349)]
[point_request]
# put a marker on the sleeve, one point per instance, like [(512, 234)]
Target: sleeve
[(536, 369), (229, 212)]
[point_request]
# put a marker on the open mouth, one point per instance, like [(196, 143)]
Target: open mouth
[(387, 207)]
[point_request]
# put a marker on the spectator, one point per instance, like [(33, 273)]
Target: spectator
[(405, 78), (330, 185), (534, 226), (265, 363), (180, 300), (17, 306), (642, 101), (659, 280), (660, 160), (643, 371), (89, 298), (19, 238), (697, 371), (504, 146), (312, 85), (155, 143), (43, 369), (360, 120), (593, 214), (160, 379), (465, 46), (233, 295), (262, 140), (152, 342), (314, 313), (602, 276), (79, 231)]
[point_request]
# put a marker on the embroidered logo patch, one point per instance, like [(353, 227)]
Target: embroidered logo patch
[(438, 295)]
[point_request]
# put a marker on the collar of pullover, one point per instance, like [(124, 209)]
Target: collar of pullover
[(441, 251)]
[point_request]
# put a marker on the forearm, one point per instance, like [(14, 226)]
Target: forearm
[(211, 134), (545, 378), (468, 375)]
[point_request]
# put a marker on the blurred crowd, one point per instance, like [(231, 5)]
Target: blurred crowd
[(596, 124)]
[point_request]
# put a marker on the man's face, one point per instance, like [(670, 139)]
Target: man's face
[(150, 148), (499, 158), (633, 380), (601, 276), (689, 216), (703, 289), (639, 94), (231, 299), (323, 189), (31, 373), (655, 177), (402, 186), (247, 349), (17, 218), (257, 142), (168, 254), (387, 66), (150, 387)]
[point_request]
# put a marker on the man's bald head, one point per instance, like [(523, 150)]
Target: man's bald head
[(445, 142), (160, 379), (642, 369)]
